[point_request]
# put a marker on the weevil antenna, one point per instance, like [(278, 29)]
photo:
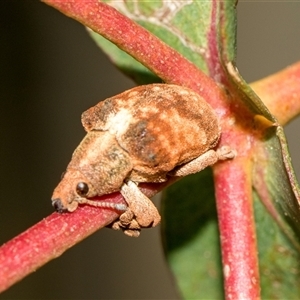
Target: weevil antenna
[(117, 206)]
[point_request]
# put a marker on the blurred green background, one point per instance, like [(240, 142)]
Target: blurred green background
[(51, 71)]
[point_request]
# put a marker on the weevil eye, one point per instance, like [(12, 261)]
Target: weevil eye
[(82, 188)]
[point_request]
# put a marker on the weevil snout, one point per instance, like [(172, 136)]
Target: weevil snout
[(58, 206), (61, 206), (70, 191)]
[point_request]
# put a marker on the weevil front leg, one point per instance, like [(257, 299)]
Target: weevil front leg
[(141, 212), (207, 159)]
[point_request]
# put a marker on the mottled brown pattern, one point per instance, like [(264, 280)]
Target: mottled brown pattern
[(169, 125)]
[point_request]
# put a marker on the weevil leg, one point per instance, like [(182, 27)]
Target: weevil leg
[(141, 212), (128, 224), (143, 208), (207, 159)]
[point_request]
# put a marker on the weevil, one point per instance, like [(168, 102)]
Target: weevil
[(145, 134)]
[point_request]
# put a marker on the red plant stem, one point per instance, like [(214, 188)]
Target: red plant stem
[(281, 93), (160, 58), (237, 229), (55, 234), (50, 238)]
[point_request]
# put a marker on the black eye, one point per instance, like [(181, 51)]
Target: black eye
[(82, 188)]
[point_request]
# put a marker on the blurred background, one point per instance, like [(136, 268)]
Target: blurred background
[(51, 71)]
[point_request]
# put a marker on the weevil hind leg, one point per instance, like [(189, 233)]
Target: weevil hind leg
[(207, 159), (141, 212)]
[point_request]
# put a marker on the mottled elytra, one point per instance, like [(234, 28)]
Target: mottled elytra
[(142, 135)]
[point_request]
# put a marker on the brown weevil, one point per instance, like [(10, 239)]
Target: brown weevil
[(141, 135)]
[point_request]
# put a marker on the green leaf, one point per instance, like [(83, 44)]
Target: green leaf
[(127, 64), (191, 237), (273, 175), (247, 95), (172, 22), (279, 259)]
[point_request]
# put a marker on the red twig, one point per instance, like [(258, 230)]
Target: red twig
[(237, 229), (50, 238), (160, 58), (281, 93), (55, 234)]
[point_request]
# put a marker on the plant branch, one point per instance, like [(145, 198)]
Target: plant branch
[(281, 93), (237, 229), (49, 238), (55, 234), (157, 56)]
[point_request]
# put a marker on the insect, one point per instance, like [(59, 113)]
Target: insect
[(145, 134)]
